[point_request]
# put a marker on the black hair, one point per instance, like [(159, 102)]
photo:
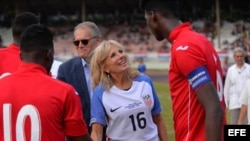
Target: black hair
[(22, 21), (36, 37), (165, 7)]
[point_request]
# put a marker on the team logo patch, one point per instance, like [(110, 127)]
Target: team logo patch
[(147, 100), (182, 48)]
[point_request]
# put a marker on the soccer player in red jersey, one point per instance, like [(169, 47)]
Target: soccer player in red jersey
[(34, 106), (195, 75), (10, 56)]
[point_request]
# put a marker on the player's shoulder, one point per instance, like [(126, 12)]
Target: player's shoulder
[(57, 84)]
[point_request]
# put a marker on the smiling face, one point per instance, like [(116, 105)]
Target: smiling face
[(81, 35), (117, 61)]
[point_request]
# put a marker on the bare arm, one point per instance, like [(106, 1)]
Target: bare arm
[(208, 97), (162, 131), (97, 132), (80, 138), (243, 113)]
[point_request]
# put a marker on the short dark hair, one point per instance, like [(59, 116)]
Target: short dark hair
[(36, 37), (22, 21), (165, 7)]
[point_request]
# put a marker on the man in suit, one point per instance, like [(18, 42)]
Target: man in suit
[(76, 70)]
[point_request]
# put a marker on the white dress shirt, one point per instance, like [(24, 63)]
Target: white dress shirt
[(86, 68), (234, 84), (54, 68)]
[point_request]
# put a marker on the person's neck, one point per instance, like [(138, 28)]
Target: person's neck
[(170, 25), (16, 42), (240, 65), (122, 82)]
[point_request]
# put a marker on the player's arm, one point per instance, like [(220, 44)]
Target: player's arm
[(208, 97), (97, 132), (162, 131), (243, 113), (80, 138)]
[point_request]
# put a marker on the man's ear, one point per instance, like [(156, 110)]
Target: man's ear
[(154, 15), (20, 55), (99, 39), (50, 54)]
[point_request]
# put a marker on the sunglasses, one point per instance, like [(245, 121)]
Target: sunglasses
[(83, 41)]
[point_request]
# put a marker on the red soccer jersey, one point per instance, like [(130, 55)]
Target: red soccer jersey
[(34, 105), (190, 53), (9, 59)]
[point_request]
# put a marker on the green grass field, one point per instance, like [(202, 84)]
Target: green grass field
[(164, 96)]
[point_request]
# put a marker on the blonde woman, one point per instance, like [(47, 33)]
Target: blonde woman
[(123, 99)]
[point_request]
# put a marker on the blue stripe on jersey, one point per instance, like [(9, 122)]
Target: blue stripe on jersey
[(199, 77), (157, 106)]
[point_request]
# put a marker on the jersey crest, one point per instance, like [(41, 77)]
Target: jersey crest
[(147, 100)]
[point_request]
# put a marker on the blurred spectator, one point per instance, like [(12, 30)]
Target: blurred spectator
[(141, 66), (225, 67), (226, 45), (236, 78)]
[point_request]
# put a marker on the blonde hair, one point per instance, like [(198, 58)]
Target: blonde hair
[(97, 63)]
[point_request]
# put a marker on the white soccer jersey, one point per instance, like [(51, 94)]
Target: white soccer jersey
[(128, 114)]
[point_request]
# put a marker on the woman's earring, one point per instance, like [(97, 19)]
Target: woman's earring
[(108, 75)]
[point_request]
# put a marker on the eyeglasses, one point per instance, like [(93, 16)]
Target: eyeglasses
[(83, 41)]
